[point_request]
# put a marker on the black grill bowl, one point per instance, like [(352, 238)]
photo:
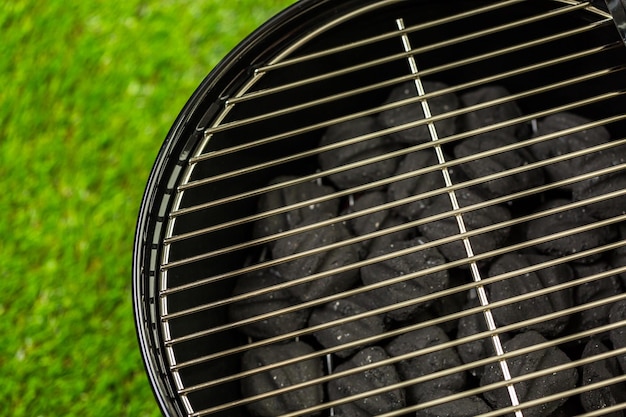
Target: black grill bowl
[(261, 113)]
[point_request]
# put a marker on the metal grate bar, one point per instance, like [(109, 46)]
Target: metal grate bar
[(406, 329), (421, 325), (399, 202), (507, 355), (429, 297), (390, 82), (476, 275), (397, 80), (216, 278), (394, 178), (452, 343), (389, 35), (568, 393), (417, 274), (443, 215), (604, 411), (424, 220), (429, 47), (526, 377), (483, 389), (452, 138), (384, 132)]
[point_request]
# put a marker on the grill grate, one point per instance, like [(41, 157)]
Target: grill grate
[(262, 137)]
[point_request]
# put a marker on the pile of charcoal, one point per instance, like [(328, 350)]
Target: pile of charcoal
[(384, 258)]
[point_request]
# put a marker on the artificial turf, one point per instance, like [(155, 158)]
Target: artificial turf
[(88, 91)]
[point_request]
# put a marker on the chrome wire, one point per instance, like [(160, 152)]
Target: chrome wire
[(431, 349), (309, 278), (429, 47), (422, 299), (424, 220)]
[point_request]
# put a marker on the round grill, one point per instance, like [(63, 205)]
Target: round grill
[(395, 208)]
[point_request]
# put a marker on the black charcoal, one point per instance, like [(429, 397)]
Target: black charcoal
[(385, 241), (350, 410), (536, 388), (566, 143), (595, 290), (427, 363), (451, 304), (359, 151), (362, 382), (402, 265), (412, 112), (350, 331), (378, 220), (617, 314), (564, 221), (415, 185), (318, 262), (472, 220), (498, 163), (599, 371), (463, 407), (526, 283), (478, 349), (265, 303), (602, 185), (495, 113), (287, 196), (285, 376)]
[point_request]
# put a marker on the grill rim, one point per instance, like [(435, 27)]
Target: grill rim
[(183, 136)]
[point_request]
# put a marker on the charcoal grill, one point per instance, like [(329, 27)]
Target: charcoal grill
[(255, 126)]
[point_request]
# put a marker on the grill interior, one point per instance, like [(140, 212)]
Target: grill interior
[(263, 136)]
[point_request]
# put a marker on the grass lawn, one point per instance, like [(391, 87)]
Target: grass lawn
[(88, 92)]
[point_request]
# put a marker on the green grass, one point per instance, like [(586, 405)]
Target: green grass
[(88, 91)]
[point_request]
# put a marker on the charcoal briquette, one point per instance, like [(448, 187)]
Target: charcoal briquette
[(397, 266), (350, 331), (265, 303), (317, 262), (438, 105), (495, 113), (284, 376), (359, 151), (602, 185), (564, 221), (362, 382), (498, 163), (378, 220), (536, 388), (566, 143), (463, 407), (618, 336), (427, 363), (450, 304), (595, 290), (472, 220), (526, 283), (349, 410), (598, 371), (415, 185), (387, 240), (287, 196)]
